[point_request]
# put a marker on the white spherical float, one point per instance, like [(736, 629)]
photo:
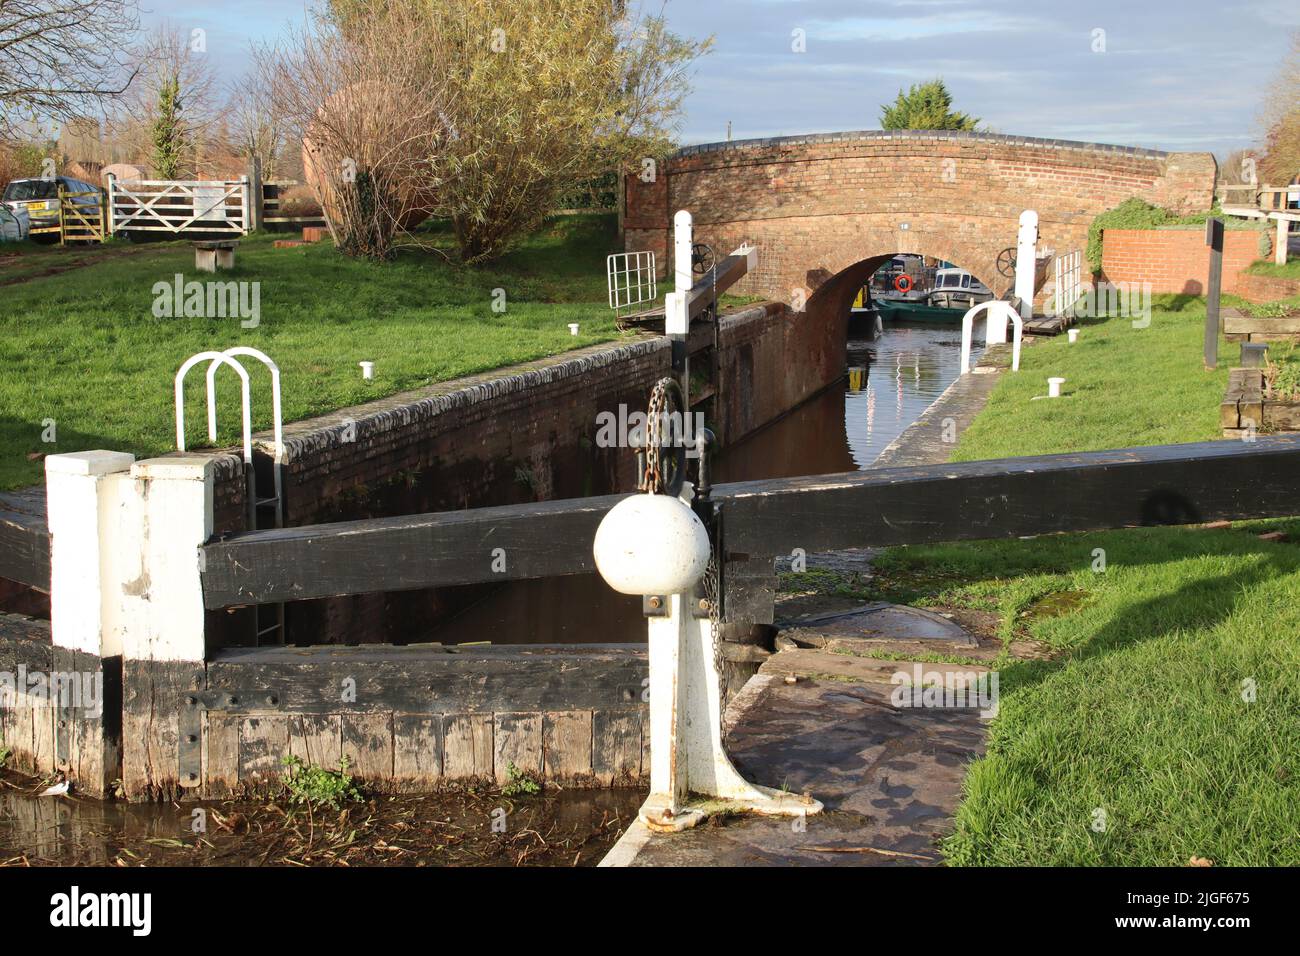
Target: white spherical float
[(651, 544)]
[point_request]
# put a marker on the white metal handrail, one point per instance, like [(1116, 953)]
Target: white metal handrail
[(998, 311), (275, 393), (219, 358)]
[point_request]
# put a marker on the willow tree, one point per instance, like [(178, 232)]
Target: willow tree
[(538, 98)]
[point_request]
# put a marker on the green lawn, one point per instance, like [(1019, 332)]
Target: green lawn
[(84, 348), (1140, 713)]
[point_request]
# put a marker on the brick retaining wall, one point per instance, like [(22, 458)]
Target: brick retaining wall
[(1176, 260)]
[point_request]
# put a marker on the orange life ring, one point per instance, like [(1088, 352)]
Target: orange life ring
[(903, 283)]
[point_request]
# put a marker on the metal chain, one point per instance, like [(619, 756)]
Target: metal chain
[(710, 586), (652, 480)]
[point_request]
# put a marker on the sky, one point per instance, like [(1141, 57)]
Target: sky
[(1162, 74)]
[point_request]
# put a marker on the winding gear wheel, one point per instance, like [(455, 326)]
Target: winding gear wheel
[(701, 258), (1006, 264)]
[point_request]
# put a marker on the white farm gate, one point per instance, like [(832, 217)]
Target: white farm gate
[(180, 207)]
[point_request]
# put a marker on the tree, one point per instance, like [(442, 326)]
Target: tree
[(537, 98), (1281, 120), (173, 94), (925, 106), (61, 59), (370, 113), (169, 142), (257, 128)]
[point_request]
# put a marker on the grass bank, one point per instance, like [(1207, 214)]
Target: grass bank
[(84, 350), (1163, 727), (1123, 386)]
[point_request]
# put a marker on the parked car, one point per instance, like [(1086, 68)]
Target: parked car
[(39, 198), (14, 224)]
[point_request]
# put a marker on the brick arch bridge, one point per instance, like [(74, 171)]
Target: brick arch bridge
[(826, 210)]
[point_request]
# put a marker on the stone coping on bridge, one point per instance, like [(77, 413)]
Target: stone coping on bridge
[(937, 135)]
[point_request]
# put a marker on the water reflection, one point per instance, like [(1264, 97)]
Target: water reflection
[(908, 367)]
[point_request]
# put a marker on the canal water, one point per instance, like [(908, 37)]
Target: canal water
[(844, 428)]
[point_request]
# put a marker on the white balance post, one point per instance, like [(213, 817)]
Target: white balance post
[(995, 330), (1026, 263), (677, 318), (652, 544)]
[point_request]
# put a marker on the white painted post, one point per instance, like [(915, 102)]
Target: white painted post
[(80, 514), (168, 514), (83, 614), (112, 184), (677, 319), (1026, 264), (683, 239), (648, 544), (686, 752), (1280, 241)]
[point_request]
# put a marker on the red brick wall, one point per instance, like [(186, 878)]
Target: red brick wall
[(815, 205), (1266, 288), (1175, 260)]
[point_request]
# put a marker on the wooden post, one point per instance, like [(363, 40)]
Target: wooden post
[(256, 195), (246, 204), (1213, 239)]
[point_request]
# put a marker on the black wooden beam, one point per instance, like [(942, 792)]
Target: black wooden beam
[(716, 281), (429, 680), (25, 549), (1011, 497), (1168, 484), (545, 539)]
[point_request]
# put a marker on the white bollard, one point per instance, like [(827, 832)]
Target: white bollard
[(1054, 387), (573, 328), (648, 544), (367, 370), (1073, 335)]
